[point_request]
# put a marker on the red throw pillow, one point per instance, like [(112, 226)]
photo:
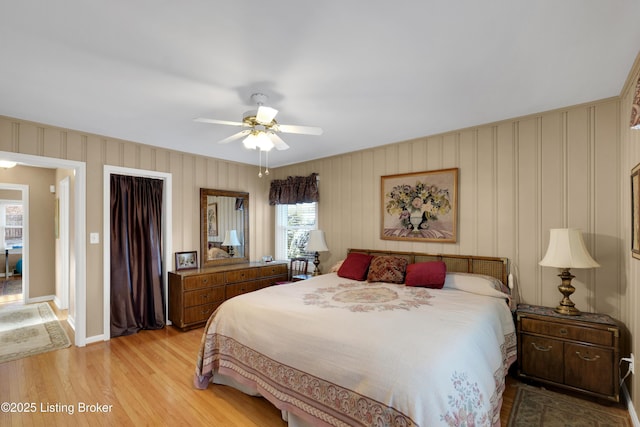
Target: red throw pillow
[(429, 274), (355, 266)]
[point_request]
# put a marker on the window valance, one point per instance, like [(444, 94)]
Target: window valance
[(293, 190)]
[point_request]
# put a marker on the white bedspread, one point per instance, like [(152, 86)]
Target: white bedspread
[(335, 351)]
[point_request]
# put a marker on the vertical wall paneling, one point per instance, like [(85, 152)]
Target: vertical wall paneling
[(518, 178)]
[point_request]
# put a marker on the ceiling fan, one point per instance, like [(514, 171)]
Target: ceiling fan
[(261, 127)]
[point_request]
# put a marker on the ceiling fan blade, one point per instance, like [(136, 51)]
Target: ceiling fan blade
[(265, 115), (278, 142), (304, 130), (219, 122), (235, 136)]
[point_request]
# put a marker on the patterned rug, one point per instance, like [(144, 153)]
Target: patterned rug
[(29, 329), (11, 287), (538, 407)]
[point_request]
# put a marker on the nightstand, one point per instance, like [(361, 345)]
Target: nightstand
[(579, 353)]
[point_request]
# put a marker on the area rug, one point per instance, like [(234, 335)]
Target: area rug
[(30, 329), (538, 407), (11, 287)]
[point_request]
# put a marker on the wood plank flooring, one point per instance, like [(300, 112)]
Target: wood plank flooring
[(142, 379)]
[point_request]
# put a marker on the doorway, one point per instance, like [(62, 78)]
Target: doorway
[(166, 233), (77, 312), (14, 224)]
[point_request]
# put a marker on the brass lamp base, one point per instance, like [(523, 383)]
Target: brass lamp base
[(567, 306), (316, 262)]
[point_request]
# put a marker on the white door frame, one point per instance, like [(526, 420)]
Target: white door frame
[(78, 319), (106, 232), (63, 218)]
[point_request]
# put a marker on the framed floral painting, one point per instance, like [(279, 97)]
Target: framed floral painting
[(635, 212), (420, 206)]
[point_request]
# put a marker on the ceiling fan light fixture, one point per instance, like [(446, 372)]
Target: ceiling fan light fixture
[(250, 142), (263, 142)]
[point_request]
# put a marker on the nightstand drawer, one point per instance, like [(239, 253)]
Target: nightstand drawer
[(203, 281), (597, 362), (203, 296), (542, 357), (570, 332)]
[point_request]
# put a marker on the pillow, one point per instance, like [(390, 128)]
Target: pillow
[(388, 269), (355, 266), (336, 266), (430, 274), (478, 284), (214, 253)]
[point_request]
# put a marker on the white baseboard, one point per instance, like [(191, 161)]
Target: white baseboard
[(632, 410), (45, 298), (95, 339)]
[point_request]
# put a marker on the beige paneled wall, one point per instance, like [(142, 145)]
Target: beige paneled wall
[(630, 148), (517, 179), (189, 173)]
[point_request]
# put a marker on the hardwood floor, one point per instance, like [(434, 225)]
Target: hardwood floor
[(142, 379)]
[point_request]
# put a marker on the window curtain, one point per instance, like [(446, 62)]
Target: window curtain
[(137, 295), (293, 190)]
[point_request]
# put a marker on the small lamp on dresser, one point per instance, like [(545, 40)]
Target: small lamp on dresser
[(567, 250), (231, 240), (316, 244)]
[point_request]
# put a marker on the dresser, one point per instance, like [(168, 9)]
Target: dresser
[(580, 353), (195, 294)]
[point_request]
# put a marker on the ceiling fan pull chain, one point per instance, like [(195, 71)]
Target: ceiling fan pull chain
[(266, 163), (259, 163)]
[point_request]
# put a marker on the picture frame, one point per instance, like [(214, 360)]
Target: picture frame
[(635, 211), (420, 206), (186, 260), (212, 220)]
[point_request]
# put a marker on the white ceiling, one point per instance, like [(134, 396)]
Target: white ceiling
[(368, 72)]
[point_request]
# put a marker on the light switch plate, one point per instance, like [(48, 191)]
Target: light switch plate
[(94, 238)]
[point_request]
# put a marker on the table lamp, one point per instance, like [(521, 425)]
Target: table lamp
[(316, 244), (567, 250), (231, 240)]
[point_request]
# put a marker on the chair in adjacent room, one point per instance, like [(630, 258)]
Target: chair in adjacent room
[(297, 270)]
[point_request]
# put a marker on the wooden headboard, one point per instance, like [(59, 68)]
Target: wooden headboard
[(491, 266)]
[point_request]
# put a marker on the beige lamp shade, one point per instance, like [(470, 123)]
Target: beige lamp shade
[(316, 242), (231, 238), (567, 250)]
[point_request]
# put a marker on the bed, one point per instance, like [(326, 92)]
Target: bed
[(341, 350)]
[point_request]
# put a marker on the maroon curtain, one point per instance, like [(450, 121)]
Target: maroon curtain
[(293, 190), (137, 296)]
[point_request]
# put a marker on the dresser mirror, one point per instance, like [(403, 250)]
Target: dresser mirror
[(224, 227)]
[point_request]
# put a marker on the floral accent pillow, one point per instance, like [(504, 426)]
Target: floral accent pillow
[(430, 274), (355, 266), (390, 269)]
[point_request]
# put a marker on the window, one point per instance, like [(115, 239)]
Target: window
[(11, 221), (293, 223)]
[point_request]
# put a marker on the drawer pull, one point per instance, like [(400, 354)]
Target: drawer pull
[(205, 280), (541, 348), (205, 296), (563, 331), (587, 357)]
